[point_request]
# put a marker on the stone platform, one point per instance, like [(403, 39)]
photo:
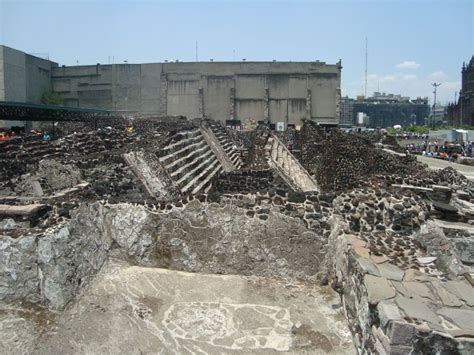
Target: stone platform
[(405, 308), (136, 310)]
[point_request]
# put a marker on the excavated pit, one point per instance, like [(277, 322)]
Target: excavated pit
[(183, 237)]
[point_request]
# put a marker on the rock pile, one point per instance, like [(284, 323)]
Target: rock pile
[(248, 181), (256, 159), (340, 160)]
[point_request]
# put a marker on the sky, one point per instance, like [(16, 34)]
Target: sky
[(411, 44)]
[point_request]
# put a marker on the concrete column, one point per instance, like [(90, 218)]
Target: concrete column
[(338, 105), (308, 104), (201, 103), (163, 95), (266, 105), (114, 84), (232, 103)]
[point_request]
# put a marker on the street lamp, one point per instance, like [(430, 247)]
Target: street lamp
[(435, 85)]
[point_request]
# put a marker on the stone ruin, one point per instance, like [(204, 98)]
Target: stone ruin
[(98, 208)]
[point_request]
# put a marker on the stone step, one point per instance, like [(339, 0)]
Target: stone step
[(178, 162), (178, 173), (208, 179), (180, 145), (178, 154), (198, 177), (196, 170)]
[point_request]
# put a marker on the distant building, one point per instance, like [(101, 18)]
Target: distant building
[(347, 108), (454, 114), (461, 113), (362, 119), (23, 78), (387, 110), (439, 116)]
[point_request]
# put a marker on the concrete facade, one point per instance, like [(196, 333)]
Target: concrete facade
[(347, 108), (265, 91), (388, 110), (275, 91), (23, 77)]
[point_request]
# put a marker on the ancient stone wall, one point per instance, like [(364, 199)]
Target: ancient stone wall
[(396, 299)]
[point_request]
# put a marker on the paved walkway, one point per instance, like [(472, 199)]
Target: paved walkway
[(437, 164)]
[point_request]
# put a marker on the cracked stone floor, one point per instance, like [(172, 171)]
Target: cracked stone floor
[(137, 310)]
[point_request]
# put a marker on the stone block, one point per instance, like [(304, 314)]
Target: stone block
[(441, 188), (447, 298), (400, 350), (388, 312), (462, 290), (380, 350), (378, 289), (379, 259), (420, 289), (362, 252), (37, 189), (368, 266), (463, 318), (354, 241), (390, 271), (415, 308), (401, 333)]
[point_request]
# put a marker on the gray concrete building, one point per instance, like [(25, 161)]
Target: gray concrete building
[(347, 111), (388, 110), (23, 77), (265, 91)]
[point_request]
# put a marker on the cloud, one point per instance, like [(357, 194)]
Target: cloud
[(406, 84), (387, 78), (409, 77), (438, 75), (375, 78), (408, 64)]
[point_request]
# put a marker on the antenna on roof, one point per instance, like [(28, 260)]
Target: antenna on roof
[(366, 57), (197, 58)]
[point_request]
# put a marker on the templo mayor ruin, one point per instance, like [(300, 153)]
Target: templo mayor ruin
[(218, 208)]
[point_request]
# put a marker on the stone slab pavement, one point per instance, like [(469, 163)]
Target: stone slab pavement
[(436, 164), (137, 310)]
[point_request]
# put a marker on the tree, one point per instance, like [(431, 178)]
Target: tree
[(51, 98)]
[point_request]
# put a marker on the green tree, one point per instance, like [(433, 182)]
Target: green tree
[(52, 98)]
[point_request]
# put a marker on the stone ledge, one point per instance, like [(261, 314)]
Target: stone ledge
[(395, 310)]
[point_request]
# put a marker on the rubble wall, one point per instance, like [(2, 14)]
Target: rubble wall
[(50, 267), (392, 310), (248, 235)]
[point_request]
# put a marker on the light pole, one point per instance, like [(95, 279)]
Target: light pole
[(435, 85)]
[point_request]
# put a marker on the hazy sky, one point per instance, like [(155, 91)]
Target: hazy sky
[(411, 43)]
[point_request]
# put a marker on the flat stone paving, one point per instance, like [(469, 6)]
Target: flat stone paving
[(136, 310), (436, 164)]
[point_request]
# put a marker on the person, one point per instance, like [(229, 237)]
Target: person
[(469, 149), (46, 137)]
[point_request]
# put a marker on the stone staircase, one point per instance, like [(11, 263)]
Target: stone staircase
[(226, 142), (18, 153), (190, 162), (280, 158)]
